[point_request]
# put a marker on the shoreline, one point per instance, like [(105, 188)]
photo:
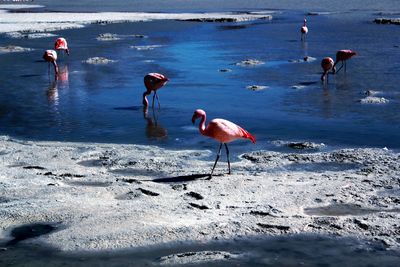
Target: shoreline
[(34, 22), (110, 196)]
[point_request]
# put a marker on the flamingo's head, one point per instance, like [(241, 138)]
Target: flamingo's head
[(199, 113)]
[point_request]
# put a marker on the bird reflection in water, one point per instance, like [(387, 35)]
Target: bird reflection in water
[(60, 81), (153, 129)]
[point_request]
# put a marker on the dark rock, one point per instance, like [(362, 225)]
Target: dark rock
[(194, 195), (387, 21), (277, 227), (261, 213), (71, 175), (179, 187), (129, 180), (148, 192), (197, 206), (34, 167), (303, 145), (361, 224)]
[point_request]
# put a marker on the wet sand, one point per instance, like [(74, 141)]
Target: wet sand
[(108, 196)]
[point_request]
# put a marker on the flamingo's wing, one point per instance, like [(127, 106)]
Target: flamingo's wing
[(226, 131)]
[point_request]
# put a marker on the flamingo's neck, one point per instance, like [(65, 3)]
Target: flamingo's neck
[(305, 23), (202, 125), (145, 101)]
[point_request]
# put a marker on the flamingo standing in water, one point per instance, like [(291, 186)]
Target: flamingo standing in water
[(304, 30), (327, 64), (221, 130), (343, 56), (61, 44), (153, 82), (51, 57)]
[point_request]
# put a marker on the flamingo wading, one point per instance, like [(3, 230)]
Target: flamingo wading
[(326, 64), (153, 82), (223, 131), (51, 57), (343, 56), (61, 44), (304, 30)]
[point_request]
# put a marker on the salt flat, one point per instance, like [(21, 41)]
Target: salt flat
[(111, 196)]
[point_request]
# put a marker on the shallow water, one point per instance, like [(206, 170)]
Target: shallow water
[(217, 5), (294, 250), (102, 103)]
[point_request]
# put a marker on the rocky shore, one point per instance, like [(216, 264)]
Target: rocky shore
[(110, 196)]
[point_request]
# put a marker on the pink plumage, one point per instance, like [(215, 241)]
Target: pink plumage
[(51, 57), (326, 64), (221, 130), (304, 30), (343, 56), (61, 44), (153, 82)]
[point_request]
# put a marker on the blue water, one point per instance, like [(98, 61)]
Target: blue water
[(292, 250), (103, 103)]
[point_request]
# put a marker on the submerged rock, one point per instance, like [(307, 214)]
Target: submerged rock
[(395, 21), (20, 35), (299, 145), (309, 59), (108, 37), (228, 18), (316, 13), (13, 49), (372, 92), (225, 70), (145, 47), (196, 257), (374, 100), (98, 61), (249, 62), (256, 87)]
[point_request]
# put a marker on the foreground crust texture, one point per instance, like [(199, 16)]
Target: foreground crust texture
[(106, 196)]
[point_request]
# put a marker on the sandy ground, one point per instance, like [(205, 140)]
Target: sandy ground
[(108, 196)]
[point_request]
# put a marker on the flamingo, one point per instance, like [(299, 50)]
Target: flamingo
[(343, 56), (153, 82), (326, 64), (304, 30), (221, 130), (51, 57), (61, 44)]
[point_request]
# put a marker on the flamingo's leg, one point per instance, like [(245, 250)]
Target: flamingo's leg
[(216, 160), (340, 67), (152, 104), (159, 105), (345, 65), (227, 155)]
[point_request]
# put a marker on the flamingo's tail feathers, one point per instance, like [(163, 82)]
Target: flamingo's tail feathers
[(248, 135)]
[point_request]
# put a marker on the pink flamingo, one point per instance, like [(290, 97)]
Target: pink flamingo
[(343, 56), (51, 57), (304, 30), (221, 130), (61, 44), (153, 82), (326, 64)]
